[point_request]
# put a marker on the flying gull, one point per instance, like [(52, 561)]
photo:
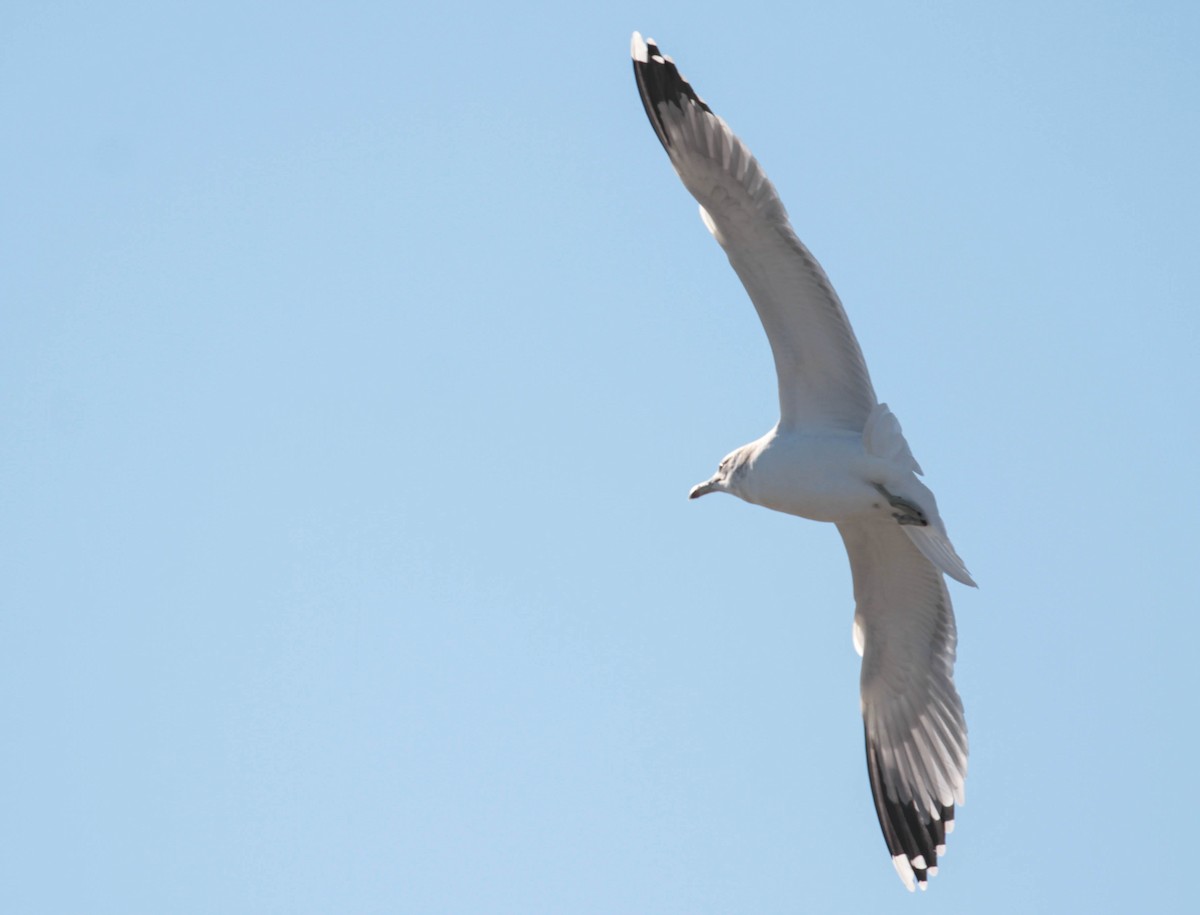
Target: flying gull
[(837, 454)]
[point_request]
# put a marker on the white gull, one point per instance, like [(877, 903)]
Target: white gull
[(837, 454)]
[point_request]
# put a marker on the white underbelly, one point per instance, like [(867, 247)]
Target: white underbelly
[(824, 477)]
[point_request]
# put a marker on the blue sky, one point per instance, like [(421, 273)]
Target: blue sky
[(356, 363)]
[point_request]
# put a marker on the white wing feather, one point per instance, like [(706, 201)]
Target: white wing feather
[(823, 380), (916, 735)]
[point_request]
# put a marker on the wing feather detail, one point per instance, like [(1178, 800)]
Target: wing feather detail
[(915, 732), (823, 379)]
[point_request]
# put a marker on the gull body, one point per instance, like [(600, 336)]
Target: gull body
[(837, 455), (820, 474)]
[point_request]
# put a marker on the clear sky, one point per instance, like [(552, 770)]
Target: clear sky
[(355, 363)]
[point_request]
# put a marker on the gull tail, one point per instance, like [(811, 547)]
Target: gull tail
[(936, 547), (883, 437)]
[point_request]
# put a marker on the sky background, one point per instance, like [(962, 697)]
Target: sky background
[(356, 361)]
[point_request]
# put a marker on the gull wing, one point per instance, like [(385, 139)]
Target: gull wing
[(916, 735), (823, 379)]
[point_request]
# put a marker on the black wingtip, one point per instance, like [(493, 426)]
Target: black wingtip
[(659, 81), (909, 832)]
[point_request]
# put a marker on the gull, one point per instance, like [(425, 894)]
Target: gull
[(837, 454)]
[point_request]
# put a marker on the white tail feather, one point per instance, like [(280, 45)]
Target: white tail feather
[(936, 547), (883, 437)]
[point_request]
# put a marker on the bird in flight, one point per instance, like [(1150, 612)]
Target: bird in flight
[(837, 454)]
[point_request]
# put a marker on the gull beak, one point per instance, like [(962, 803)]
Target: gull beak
[(703, 489)]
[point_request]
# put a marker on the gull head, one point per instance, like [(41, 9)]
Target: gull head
[(728, 473)]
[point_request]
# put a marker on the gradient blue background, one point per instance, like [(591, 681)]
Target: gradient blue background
[(355, 363)]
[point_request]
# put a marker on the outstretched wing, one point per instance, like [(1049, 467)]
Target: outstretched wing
[(823, 379), (913, 719)]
